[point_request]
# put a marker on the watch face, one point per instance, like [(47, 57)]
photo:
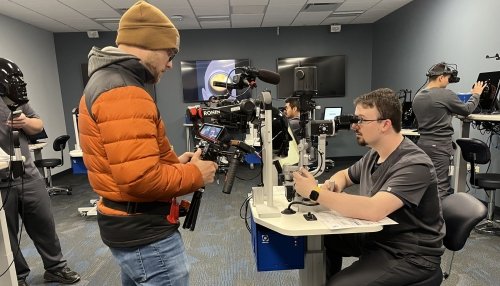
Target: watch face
[(314, 195)]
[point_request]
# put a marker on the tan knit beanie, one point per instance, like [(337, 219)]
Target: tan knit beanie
[(145, 26)]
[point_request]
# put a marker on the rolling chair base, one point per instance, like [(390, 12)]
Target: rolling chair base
[(58, 190), (488, 227)]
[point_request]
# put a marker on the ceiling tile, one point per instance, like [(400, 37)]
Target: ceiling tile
[(356, 5), (310, 18), (338, 20), (201, 10), (215, 24), (246, 20), (246, 2)]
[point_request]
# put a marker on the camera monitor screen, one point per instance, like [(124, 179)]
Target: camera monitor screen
[(331, 112), (330, 75), (488, 101), (211, 132), (198, 79)]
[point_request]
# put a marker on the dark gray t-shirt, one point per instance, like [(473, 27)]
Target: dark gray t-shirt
[(434, 109), (407, 173), (31, 172)]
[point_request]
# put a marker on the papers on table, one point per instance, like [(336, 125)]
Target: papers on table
[(333, 221)]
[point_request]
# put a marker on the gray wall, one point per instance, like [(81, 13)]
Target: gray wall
[(32, 49), (261, 46), (424, 32)]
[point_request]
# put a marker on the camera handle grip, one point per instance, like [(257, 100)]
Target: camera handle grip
[(231, 173)]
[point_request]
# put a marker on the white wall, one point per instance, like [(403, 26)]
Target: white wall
[(32, 49)]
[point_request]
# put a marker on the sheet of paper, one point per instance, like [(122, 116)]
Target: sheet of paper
[(333, 221)]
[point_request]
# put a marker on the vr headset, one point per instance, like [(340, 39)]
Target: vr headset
[(444, 69)]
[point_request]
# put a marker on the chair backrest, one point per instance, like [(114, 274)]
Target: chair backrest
[(60, 144), (474, 150), (461, 212)]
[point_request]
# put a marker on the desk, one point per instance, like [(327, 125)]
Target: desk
[(37, 149), (410, 132), (295, 225), (460, 164), (37, 152)]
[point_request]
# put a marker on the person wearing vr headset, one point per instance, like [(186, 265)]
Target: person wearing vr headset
[(130, 161), (26, 196), (397, 180), (434, 107)]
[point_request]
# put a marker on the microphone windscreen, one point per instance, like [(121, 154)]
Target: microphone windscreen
[(269, 77)]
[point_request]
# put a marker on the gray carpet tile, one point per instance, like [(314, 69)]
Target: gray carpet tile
[(219, 249)]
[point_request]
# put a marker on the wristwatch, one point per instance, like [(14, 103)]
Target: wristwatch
[(314, 194)]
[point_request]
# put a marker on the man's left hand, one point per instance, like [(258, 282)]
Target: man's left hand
[(18, 122)]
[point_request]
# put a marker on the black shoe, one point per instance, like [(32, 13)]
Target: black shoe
[(62, 275), (22, 282)]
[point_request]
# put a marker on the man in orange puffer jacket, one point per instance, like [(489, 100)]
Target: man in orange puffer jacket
[(130, 161)]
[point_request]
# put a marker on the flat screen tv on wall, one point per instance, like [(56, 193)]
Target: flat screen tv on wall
[(330, 74), (198, 77)]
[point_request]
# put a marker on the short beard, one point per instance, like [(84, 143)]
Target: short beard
[(152, 70), (361, 141)]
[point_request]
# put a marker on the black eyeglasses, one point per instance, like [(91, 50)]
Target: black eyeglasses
[(171, 57), (362, 120)]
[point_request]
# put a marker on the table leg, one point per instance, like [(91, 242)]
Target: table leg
[(460, 173), (314, 272)]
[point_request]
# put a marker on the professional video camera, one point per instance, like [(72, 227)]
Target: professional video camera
[(247, 78), (215, 124)]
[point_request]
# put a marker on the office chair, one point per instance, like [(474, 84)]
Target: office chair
[(476, 151), (461, 213), (48, 164)]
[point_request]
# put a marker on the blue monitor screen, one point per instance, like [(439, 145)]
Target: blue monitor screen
[(198, 77)]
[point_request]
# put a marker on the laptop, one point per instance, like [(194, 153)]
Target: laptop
[(488, 101), (331, 112)]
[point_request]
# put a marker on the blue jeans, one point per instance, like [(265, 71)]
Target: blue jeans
[(162, 262)]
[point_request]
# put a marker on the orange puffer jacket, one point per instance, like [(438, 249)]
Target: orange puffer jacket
[(125, 150)]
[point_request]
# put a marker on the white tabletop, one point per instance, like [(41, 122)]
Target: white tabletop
[(37, 146), (410, 132), (484, 117), (297, 225), (76, 153)]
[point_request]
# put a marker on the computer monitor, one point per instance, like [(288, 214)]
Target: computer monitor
[(488, 101), (33, 139), (331, 112)]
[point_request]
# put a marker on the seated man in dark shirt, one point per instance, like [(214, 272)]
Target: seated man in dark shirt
[(397, 180), (292, 112)]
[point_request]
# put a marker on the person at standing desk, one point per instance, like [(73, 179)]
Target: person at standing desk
[(27, 197), (434, 108), (396, 179)]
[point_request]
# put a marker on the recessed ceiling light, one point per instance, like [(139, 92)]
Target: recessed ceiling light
[(177, 18), (347, 13), (213, 18)]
